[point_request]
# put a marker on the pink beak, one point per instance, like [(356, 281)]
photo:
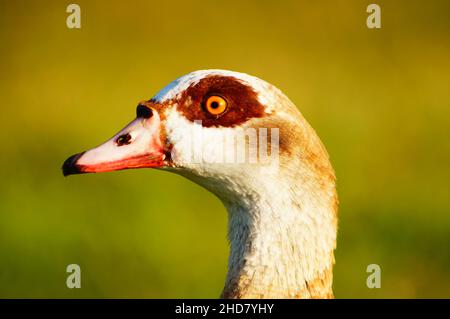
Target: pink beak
[(137, 145)]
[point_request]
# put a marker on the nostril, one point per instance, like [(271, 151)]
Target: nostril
[(123, 139), (144, 111)]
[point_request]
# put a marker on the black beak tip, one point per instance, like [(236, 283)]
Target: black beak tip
[(70, 166)]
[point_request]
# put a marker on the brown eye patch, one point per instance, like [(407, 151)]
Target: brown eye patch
[(242, 101)]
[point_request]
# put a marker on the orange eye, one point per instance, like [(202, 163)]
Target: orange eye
[(216, 105)]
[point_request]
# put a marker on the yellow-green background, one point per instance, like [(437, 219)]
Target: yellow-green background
[(379, 100)]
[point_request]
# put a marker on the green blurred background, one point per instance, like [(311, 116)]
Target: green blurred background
[(379, 100)]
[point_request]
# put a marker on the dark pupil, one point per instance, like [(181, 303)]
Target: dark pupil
[(123, 139), (215, 105)]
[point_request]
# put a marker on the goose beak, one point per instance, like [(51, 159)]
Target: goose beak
[(137, 145)]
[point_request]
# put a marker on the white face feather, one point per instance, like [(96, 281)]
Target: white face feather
[(219, 157), (244, 144)]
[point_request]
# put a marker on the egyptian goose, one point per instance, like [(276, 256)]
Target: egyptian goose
[(282, 207)]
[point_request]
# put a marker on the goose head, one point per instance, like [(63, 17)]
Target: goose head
[(245, 141)]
